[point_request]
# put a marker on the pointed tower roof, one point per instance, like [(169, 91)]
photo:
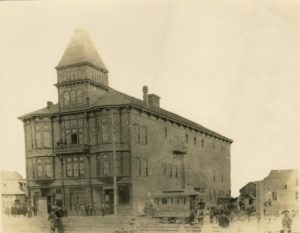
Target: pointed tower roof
[(81, 49)]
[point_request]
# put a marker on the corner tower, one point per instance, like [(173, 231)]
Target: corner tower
[(81, 74)]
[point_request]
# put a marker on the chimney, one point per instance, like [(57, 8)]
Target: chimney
[(145, 94), (153, 100), (49, 104)]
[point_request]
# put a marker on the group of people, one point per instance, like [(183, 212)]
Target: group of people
[(83, 210), (21, 210), (55, 219), (196, 211), (221, 215)]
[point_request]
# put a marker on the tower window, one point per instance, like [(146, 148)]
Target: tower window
[(186, 138), (166, 131), (202, 142), (195, 140)]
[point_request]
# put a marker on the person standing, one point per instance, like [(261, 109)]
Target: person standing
[(286, 222), (53, 221)]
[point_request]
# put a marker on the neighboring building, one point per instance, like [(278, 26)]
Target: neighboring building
[(13, 190), (281, 188), (74, 147), (252, 196), (275, 193)]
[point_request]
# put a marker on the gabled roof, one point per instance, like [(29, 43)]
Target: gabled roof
[(43, 111), (81, 50), (10, 175), (282, 175), (278, 178)]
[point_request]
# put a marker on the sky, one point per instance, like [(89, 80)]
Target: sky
[(231, 66)]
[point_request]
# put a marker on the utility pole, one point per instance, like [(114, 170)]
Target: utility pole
[(114, 163)]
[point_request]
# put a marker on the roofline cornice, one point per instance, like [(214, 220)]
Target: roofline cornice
[(78, 81), (81, 64), (131, 106)]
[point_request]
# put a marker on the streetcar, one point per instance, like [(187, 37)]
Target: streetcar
[(175, 206)]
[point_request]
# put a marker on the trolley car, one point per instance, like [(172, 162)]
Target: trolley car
[(175, 206)]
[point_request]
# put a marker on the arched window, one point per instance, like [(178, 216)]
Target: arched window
[(73, 97), (66, 98), (79, 96)]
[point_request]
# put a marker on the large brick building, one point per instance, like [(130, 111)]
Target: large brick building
[(75, 147)]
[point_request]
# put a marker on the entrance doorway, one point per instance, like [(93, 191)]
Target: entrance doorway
[(109, 201)]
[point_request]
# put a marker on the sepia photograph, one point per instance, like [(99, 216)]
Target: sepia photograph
[(141, 116)]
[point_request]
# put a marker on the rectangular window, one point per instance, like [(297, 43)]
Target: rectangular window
[(164, 201), (138, 167), (144, 135), (75, 166), (104, 164), (104, 133), (166, 132), (274, 196), (38, 138), (186, 138), (297, 196), (195, 140), (125, 164), (74, 137), (137, 133), (40, 168), (69, 170), (47, 139), (118, 165), (73, 131), (48, 168), (43, 167), (170, 170), (145, 167), (176, 171)]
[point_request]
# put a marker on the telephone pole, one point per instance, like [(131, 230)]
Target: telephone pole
[(115, 187)]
